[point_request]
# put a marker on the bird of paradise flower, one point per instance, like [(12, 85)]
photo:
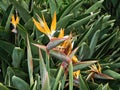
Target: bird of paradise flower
[(43, 27), (96, 72), (61, 47), (14, 22), (66, 46)]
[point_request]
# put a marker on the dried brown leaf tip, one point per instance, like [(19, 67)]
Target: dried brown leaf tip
[(96, 72)]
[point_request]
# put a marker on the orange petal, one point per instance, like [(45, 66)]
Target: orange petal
[(66, 43), (61, 34), (47, 30), (13, 20), (76, 74), (74, 59), (68, 47), (53, 24), (99, 68), (37, 24), (17, 20)]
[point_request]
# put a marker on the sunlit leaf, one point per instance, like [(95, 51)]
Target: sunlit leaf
[(22, 84), (2, 87), (30, 62)]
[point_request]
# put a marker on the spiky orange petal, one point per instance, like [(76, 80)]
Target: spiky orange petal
[(99, 68), (17, 20), (74, 59), (13, 20), (53, 24), (61, 34), (47, 30), (68, 47), (39, 27), (76, 74)]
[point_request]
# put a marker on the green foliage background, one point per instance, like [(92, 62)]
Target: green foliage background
[(94, 22)]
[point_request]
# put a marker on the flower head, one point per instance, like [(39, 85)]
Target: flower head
[(14, 22), (95, 72), (43, 27)]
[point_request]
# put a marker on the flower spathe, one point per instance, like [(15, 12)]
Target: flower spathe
[(43, 27)]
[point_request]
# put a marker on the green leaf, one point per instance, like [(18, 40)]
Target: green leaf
[(62, 23), (4, 34), (96, 26), (95, 6), (94, 42), (30, 62), (63, 80), (77, 7), (22, 31), (8, 77), (115, 65), (108, 23), (4, 4), (112, 73), (102, 46), (38, 86), (2, 87), (84, 51), (17, 56), (100, 87), (3, 68), (82, 21), (35, 86), (8, 47), (29, 25), (106, 87), (23, 4), (59, 74), (31, 5), (53, 7), (106, 18), (20, 84), (44, 73), (11, 72), (5, 59), (70, 76), (70, 7), (83, 84), (7, 17)]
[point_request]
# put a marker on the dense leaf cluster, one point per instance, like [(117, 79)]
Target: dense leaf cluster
[(95, 27)]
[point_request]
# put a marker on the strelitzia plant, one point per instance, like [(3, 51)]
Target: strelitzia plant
[(96, 72), (60, 47)]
